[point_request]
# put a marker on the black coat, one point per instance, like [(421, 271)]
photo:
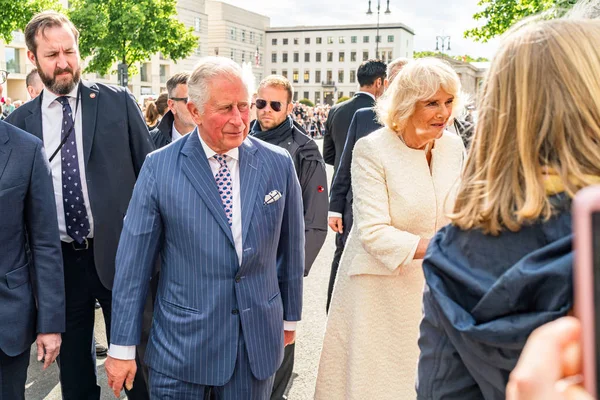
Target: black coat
[(115, 144), (162, 135), (337, 124)]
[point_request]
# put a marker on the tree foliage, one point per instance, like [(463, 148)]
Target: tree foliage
[(15, 14), (342, 99), (500, 15), (464, 58), (307, 102), (129, 31)]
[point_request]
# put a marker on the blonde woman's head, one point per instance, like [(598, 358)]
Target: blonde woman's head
[(539, 111), (418, 81)]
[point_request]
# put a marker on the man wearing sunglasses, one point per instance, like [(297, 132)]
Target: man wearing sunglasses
[(275, 125)]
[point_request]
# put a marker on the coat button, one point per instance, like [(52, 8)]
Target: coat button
[(235, 311), (238, 279)]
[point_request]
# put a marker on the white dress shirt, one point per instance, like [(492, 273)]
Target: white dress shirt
[(232, 160), (175, 135), (52, 116)]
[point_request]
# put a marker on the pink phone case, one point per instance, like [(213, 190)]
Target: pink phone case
[(585, 203)]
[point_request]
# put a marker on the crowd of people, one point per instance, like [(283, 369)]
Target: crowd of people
[(194, 225)]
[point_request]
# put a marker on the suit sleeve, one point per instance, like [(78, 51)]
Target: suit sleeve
[(313, 183), (389, 245), (44, 242), (441, 372), (328, 145), (342, 181), (136, 255), (290, 251), (139, 136)]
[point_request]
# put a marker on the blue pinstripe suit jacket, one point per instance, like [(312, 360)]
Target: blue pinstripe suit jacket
[(204, 294)]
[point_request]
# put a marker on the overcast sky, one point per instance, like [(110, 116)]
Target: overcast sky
[(428, 18)]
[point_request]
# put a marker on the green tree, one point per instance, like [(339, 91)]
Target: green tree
[(342, 99), (500, 15), (464, 58), (307, 102), (129, 31), (15, 14)]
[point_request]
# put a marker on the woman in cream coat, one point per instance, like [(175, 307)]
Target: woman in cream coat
[(403, 177)]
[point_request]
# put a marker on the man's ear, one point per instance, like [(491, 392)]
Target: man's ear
[(31, 56), (290, 107), (195, 113)]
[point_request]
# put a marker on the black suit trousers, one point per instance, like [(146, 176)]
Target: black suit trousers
[(13, 375), (77, 359), (340, 243)]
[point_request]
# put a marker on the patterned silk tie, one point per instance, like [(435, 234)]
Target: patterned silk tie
[(76, 218), (223, 179)]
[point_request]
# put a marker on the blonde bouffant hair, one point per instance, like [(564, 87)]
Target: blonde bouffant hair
[(539, 113), (418, 80)]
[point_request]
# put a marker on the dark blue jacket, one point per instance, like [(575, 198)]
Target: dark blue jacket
[(484, 295)]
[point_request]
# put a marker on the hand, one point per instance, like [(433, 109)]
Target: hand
[(335, 223), (289, 337), (119, 372), (552, 353), (48, 347), (421, 249)]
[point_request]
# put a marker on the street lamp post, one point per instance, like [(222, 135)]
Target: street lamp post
[(369, 12), (443, 40)]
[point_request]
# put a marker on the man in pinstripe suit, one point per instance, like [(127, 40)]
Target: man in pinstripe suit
[(224, 211)]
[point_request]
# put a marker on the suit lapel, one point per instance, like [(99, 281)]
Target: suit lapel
[(33, 122), (4, 150), (195, 166), (250, 167), (89, 110)]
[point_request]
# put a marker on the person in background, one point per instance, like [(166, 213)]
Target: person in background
[(34, 83), (275, 125), (162, 104), (403, 182), (504, 265), (151, 115)]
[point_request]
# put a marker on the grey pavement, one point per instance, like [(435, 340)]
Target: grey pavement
[(45, 384)]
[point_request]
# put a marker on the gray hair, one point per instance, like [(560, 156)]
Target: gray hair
[(204, 73), (395, 66)]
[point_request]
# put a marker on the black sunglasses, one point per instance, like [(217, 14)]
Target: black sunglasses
[(275, 105), (184, 99)]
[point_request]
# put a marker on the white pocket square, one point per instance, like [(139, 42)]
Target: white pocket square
[(272, 197)]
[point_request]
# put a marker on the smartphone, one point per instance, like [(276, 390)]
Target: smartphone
[(586, 271)]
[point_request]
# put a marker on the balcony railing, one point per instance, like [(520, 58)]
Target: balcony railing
[(328, 84)]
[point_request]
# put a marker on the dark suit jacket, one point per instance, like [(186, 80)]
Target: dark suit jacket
[(28, 224), (363, 123), (337, 124), (115, 144), (162, 134)]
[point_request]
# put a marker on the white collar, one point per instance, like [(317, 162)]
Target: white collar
[(367, 93), (233, 153), (48, 97)]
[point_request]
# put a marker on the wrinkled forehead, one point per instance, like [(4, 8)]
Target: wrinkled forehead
[(56, 37)]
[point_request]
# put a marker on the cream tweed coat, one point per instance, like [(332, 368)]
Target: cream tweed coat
[(370, 349)]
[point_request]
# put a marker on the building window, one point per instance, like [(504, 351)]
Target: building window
[(273, 72), (352, 76), (164, 73), (243, 56), (329, 76), (306, 77), (318, 76), (285, 41), (296, 40), (260, 39), (318, 56), (365, 39), (307, 40), (199, 50), (365, 55), (284, 73), (352, 94), (319, 40), (352, 39), (378, 38), (274, 41), (341, 76), (284, 57), (144, 72), (197, 24), (295, 96), (330, 56), (340, 95), (341, 56), (390, 38), (296, 57), (341, 40), (233, 34), (243, 36), (389, 56), (353, 56), (329, 39), (273, 57), (233, 54), (307, 57), (252, 37), (317, 97), (295, 76), (306, 95)]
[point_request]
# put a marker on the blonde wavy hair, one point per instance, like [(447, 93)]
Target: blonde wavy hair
[(418, 80), (539, 111)]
